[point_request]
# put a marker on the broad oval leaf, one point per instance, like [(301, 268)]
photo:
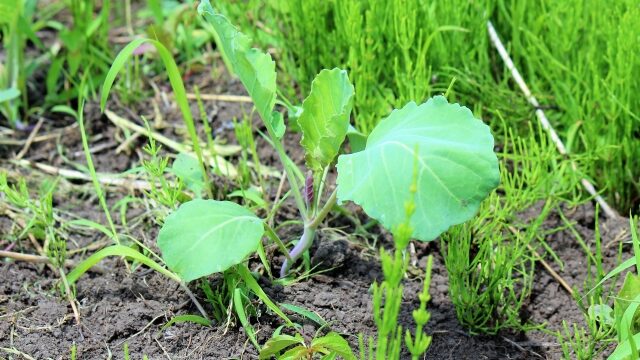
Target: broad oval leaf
[(203, 237), (256, 69), (457, 167), (325, 117)]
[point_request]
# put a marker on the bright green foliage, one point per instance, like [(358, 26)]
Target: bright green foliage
[(457, 167), (331, 346), (203, 237), (325, 117), (583, 57), (255, 69)]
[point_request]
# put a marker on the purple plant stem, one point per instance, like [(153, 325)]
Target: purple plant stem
[(8, 248), (303, 245)]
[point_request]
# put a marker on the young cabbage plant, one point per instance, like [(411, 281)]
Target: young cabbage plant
[(456, 166)]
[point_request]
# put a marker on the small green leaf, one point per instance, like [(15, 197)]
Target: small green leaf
[(602, 313), (187, 169), (325, 117), (277, 122), (617, 270), (86, 223), (203, 237), (457, 167), (335, 343), (278, 343), (357, 140)]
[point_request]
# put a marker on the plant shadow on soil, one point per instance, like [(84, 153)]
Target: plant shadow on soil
[(117, 307)]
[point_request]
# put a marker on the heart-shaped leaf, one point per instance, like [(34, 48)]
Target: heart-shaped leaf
[(203, 237), (325, 117), (457, 167)]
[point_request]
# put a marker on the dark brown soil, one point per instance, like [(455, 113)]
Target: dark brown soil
[(119, 308)]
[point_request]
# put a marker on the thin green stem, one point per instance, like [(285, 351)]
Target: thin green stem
[(322, 214), (286, 163), (92, 172)]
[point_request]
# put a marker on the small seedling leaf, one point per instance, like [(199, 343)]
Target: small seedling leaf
[(187, 169), (457, 167), (357, 140), (203, 237), (278, 343), (277, 122), (335, 343), (325, 117)]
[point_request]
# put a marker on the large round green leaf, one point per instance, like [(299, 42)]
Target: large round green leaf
[(207, 236), (457, 167)]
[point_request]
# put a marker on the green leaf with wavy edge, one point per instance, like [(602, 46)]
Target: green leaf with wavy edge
[(457, 167), (256, 69), (203, 237), (325, 117)]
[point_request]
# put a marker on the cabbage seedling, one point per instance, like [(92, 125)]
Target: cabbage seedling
[(456, 166)]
